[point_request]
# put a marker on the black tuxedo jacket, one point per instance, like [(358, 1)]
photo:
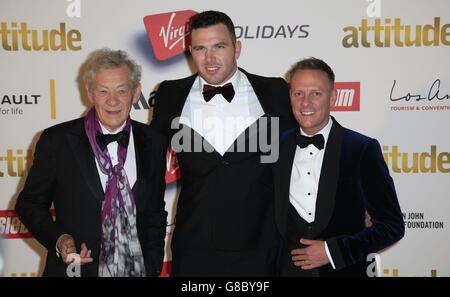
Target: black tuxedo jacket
[(226, 202), (64, 172), (354, 178)]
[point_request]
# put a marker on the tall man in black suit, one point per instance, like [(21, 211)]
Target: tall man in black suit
[(326, 178), (104, 174), (225, 218)]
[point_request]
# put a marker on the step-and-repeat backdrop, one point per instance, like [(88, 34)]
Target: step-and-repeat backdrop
[(391, 60)]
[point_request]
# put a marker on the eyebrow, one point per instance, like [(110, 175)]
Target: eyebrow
[(119, 86), (214, 44)]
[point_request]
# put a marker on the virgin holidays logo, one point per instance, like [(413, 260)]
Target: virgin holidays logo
[(167, 33)]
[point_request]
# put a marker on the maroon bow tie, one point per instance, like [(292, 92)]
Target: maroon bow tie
[(227, 92)]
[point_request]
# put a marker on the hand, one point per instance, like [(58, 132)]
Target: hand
[(312, 256), (68, 251)]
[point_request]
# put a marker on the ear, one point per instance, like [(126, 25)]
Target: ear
[(333, 98), (137, 94), (237, 49)]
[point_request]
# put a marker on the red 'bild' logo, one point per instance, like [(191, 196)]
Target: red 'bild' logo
[(172, 168), (348, 96), (11, 226), (167, 33)]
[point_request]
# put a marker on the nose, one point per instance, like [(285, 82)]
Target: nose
[(306, 100), (209, 55), (113, 99)]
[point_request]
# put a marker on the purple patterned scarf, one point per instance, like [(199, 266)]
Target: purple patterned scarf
[(120, 251)]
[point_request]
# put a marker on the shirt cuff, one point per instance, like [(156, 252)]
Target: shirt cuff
[(329, 255)]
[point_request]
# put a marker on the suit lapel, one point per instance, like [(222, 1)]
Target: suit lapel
[(143, 151), (84, 156), (282, 182), (329, 178), (263, 94), (180, 96)]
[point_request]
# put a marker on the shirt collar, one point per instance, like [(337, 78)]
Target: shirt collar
[(106, 131)]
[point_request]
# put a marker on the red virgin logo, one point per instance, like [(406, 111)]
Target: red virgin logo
[(167, 33)]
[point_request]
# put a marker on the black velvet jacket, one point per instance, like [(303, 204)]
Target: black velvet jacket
[(354, 178)]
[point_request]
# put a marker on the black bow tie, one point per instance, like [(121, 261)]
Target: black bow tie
[(227, 92), (103, 140), (317, 140)]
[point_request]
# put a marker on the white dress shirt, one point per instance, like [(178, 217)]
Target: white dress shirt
[(305, 177), (218, 121)]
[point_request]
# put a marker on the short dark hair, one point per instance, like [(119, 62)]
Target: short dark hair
[(312, 64), (209, 18)]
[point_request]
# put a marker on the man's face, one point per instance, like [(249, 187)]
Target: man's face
[(214, 53), (312, 96), (112, 96)]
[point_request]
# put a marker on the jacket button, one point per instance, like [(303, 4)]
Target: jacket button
[(225, 162)]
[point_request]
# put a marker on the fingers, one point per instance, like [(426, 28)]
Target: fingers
[(70, 258), (298, 252), (86, 260), (302, 262), (307, 241), (300, 258), (85, 254), (84, 250), (305, 264), (69, 253), (303, 241), (308, 266), (66, 246), (310, 257), (77, 259)]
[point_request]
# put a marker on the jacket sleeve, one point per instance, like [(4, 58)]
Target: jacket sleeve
[(34, 201), (382, 204)]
